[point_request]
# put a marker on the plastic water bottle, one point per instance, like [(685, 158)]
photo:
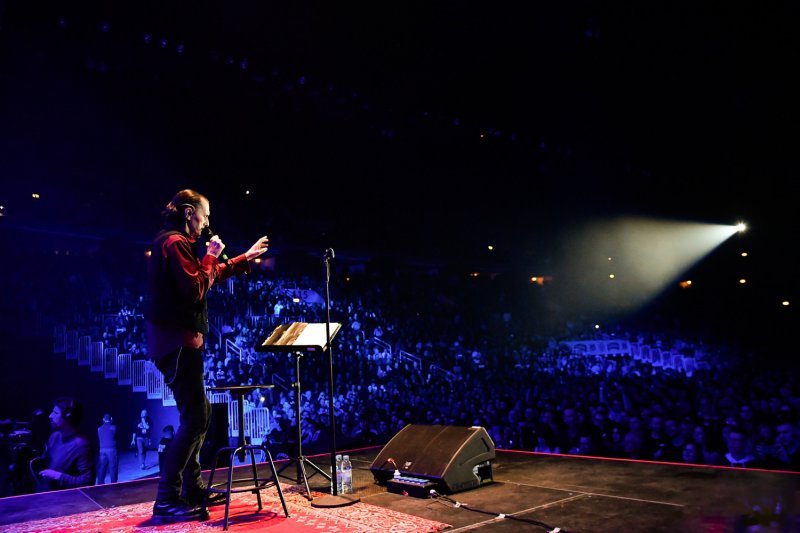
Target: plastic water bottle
[(347, 475), (338, 473)]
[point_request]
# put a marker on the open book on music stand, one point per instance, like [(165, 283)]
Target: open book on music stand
[(299, 337)]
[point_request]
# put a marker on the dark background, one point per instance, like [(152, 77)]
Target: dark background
[(414, 132), (413, 126), (399, 132)]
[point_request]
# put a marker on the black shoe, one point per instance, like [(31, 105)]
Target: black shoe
[(201, 496), (213, 498), (177, 511)]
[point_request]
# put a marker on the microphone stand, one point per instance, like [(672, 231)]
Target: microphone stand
[(335, 499)]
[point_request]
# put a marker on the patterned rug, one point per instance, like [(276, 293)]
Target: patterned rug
[(243, 517)]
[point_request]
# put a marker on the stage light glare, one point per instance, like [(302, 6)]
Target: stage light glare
[(648, 255), (741, 227)]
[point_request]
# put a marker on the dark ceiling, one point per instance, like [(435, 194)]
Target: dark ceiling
[(429, 128)]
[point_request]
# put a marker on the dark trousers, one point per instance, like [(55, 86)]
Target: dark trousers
[(183, 373), (141, 449), (107, 463)]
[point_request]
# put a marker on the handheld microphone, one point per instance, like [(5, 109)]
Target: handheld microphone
[(207, 234)]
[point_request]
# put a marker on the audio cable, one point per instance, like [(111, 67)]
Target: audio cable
[(441, 497)]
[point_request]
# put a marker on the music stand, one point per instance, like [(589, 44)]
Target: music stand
[(299, 338)]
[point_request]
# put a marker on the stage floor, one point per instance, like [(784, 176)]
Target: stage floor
[(532, 492)]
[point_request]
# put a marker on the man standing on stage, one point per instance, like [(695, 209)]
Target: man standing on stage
[(177, 323)]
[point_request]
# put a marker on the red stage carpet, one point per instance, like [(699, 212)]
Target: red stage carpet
[(243, 517)]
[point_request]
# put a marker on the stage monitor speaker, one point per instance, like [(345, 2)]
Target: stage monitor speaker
[(455, 458)]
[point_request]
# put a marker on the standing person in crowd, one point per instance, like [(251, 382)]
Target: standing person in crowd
[(107, 458), (167, 434), (176, 313), (67, 460), (141, 437)]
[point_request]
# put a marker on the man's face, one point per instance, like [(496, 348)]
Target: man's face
[(689, 453), (736, 442), (785, 434), (698, 434), (656, 424), (56, 419), (199, 219)]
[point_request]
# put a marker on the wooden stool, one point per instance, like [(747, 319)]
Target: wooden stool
[(257, 483)]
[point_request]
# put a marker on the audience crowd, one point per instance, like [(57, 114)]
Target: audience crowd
[(434, 348)]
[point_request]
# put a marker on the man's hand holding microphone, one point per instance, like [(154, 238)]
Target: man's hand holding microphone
[(216, 246)]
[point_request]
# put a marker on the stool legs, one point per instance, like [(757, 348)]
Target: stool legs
[(275, 480), (255, 478), (258, 483), (228, 492)]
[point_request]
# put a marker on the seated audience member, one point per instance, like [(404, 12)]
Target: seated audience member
[(690, 454), (572, 429), (787, 445), (545, 441), (632, 445), (67, 460), (738, 449), (709, 454), (585, 446), (656, 443)]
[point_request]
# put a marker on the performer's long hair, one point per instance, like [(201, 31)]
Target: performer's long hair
[(172, 216)]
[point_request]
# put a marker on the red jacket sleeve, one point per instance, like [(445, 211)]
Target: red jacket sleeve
[(195, 278), (231, 267)]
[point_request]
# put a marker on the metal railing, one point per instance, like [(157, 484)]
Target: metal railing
[(415, 360)]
